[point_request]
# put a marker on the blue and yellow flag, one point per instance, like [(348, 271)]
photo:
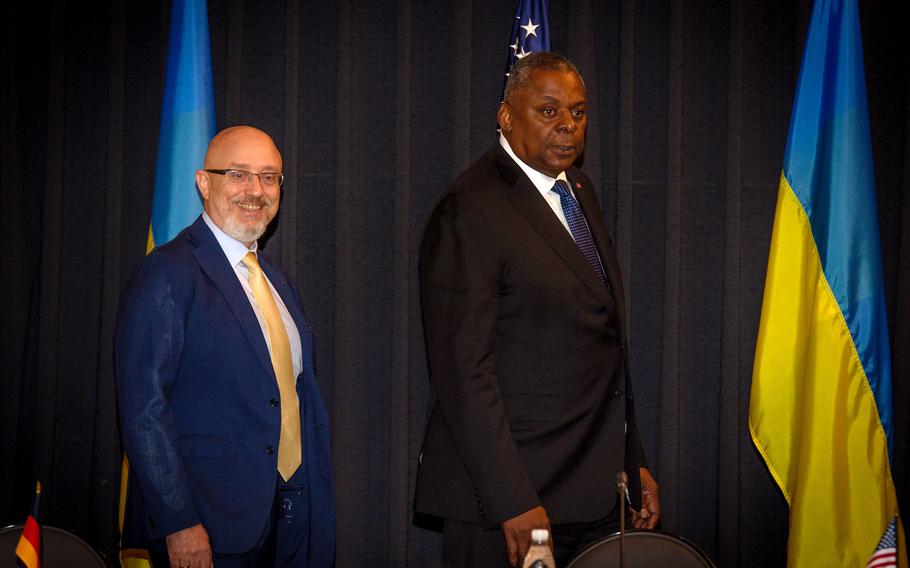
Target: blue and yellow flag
[(187, 122), (820, 409), (187, 126)]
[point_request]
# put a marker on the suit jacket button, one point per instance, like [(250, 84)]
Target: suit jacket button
[(269, 450), (274, 402), (618, 394)]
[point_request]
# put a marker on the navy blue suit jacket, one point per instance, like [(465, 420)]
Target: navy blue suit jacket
[(197, 396)]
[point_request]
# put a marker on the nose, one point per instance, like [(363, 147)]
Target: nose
[(254, 186), (566, 122)]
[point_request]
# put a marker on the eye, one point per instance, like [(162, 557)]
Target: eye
[(236, 176), (268, 178), (548, 111), (578, 113)]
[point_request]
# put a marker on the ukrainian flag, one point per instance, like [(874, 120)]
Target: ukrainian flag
[(820, 409), (187, 122), (187, 126)]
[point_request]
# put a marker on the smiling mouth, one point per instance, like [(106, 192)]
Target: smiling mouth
[(251, 207)]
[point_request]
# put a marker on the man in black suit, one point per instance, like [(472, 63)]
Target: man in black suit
[(532, 414)]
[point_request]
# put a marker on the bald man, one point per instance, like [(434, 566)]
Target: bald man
[(220, 414)]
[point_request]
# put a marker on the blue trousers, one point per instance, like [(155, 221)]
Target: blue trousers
[(285, 538)]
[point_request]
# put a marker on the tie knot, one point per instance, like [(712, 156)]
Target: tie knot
[(250, 261), (562, 188)]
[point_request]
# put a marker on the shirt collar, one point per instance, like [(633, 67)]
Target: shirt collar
[(233, 249), (541, 181)]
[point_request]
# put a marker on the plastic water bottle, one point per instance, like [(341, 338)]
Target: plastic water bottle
[(539, 555)]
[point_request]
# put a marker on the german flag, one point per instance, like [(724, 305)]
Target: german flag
[(28, 550)]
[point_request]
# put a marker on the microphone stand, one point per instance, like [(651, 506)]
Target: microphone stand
[(622, 484)]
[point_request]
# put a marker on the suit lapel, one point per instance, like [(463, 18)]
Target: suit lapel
[(288, 297), (588, 203), (211, 259), (524, 195)]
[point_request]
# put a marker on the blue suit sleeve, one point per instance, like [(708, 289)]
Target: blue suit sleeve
[(148, 342)]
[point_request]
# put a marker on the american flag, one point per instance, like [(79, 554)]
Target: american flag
[(885, 555), (530, 31)]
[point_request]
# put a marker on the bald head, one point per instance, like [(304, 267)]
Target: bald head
[(235, 142), (237, 202)]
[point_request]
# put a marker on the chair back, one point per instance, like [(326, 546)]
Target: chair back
[(642, 549), (60, 549)]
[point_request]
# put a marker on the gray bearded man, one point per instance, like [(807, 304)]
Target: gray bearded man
[(220, 413)]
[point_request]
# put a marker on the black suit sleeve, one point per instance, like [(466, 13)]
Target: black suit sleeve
[(460, 273), (635, 453)]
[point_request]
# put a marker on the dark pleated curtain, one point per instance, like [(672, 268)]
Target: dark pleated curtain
[(376, 105)]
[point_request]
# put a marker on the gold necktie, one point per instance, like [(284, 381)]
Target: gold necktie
[(289, 450)]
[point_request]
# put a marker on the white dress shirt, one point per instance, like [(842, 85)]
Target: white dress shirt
[(542, 182), (235, 251)]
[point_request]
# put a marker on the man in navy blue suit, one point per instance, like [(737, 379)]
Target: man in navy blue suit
[(220, 413)]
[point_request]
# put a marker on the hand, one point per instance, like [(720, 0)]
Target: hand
[(517, 532), (649, 515), (189, 548)]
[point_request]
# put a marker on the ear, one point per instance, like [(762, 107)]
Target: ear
[(504, 117), (202, 182)]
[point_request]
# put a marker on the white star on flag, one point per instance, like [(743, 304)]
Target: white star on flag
[(536, 36)]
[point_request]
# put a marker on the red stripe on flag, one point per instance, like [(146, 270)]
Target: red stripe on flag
[(29, 544), (885, 558)]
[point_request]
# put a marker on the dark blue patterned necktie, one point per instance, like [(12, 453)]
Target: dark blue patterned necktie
[(579, 227)]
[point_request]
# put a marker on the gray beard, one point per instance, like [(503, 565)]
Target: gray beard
[(243, 233)]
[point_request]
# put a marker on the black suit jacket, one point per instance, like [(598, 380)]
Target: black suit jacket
[(528, 362)]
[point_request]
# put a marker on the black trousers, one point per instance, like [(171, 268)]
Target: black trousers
[(467, 545)]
